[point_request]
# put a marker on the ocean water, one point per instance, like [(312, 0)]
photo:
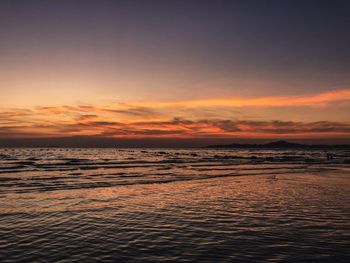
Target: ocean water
[(166, 205)]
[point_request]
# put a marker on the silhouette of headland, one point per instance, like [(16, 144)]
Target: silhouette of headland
[(281, 145)]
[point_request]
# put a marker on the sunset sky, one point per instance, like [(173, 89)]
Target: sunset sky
[(175, 69)]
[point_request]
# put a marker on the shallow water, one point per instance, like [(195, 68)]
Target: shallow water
[(149, 205)]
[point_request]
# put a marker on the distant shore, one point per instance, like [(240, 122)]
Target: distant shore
[(282, 145)]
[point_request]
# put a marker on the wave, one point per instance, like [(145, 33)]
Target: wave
[(48, 170), (54, 183)]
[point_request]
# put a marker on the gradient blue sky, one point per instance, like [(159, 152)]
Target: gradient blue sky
[(71, 52)]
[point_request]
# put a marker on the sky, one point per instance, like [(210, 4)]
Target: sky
[(247, 69)]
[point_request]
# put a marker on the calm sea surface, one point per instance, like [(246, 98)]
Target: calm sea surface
[(151, 205)]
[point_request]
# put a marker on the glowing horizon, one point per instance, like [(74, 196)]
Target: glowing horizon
[(197, 118)]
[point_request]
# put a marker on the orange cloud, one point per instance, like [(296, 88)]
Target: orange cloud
[(182, 128), (277, 101)]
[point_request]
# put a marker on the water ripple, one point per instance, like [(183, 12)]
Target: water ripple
[(149, 205)]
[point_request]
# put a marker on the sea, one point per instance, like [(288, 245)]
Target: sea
[(174, 205)]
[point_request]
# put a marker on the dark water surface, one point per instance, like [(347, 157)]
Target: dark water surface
[(143, 205)]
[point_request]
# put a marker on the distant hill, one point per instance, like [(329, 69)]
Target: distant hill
[(281, 145)]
